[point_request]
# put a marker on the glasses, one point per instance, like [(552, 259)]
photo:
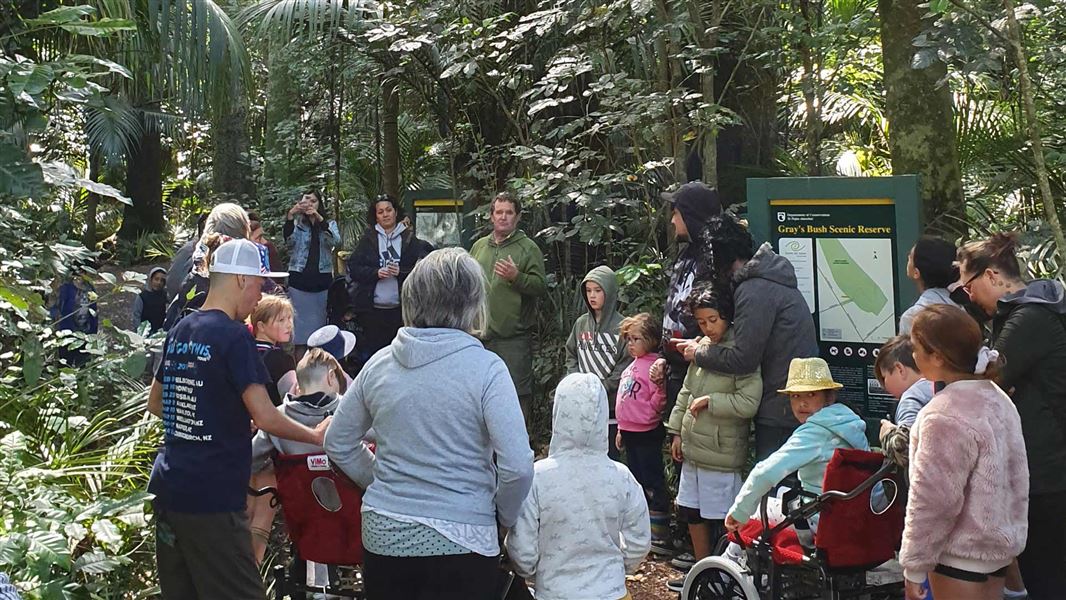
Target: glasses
[(966, 286)]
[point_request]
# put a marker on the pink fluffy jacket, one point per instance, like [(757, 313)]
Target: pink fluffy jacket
[(969, 493)]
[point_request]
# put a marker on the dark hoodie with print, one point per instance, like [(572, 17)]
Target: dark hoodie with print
[(1029, 331), (595, 346), (693, 264), (773, 325)]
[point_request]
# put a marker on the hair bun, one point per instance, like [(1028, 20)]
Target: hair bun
[(1003, 242)]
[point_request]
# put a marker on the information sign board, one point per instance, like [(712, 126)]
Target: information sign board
[(848, 239)]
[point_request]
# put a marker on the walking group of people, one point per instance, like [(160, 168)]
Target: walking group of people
[(446, 390)]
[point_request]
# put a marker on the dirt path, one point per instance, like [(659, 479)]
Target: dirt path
[(649, 583)]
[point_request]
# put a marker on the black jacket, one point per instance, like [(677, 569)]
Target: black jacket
[(365, 260), (1029, 331)]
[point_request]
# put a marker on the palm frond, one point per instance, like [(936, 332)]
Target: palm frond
[(283, 19), (113, 128)]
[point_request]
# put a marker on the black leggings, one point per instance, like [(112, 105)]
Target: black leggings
[(1041, 563), (456, 577), (379, 328)]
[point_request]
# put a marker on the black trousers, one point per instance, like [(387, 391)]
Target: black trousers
[(379, 328), (456, 577), (1042, 560), (206, 556)]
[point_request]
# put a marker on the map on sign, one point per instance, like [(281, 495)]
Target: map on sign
[(855, 290)]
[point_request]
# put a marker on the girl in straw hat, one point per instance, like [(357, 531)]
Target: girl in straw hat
[(824, 427)]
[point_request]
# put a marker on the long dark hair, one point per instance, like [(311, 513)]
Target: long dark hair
[(322, 208), (372, 217)]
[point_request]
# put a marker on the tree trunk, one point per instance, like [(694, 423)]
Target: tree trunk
[(1032, 121), (706, 35), (92, 202), (675, 129), (921, 131), (390, 137), (231, 161), (812, 97), (144, 186)]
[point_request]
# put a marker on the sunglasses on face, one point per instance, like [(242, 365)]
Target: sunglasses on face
[(969, 282)]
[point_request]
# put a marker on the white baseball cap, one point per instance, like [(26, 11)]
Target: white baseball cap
[(242, 257), (332, 339)]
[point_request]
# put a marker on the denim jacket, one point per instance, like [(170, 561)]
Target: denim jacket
[(300, 245)]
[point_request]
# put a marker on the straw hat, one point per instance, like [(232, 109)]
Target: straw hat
[(809, 375)]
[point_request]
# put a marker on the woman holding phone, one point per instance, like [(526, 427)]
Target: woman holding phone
[(377, 269), (311, 237)]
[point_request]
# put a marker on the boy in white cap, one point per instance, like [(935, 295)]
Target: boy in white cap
[(208, 389)]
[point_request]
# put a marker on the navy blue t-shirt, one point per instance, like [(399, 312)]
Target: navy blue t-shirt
[(206, 459)]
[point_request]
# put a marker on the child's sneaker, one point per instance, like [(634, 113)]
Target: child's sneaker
[(683, 562), (663, 548), (676, 585)]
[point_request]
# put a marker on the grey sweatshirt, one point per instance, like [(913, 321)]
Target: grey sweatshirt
[(773, 325), (442, 408), (308, 410)]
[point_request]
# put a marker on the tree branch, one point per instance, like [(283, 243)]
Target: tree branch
[(982, 20)]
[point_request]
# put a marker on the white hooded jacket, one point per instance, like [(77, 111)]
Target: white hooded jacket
[(585, 522)]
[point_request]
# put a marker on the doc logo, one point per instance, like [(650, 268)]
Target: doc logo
[(318, 462), (781, 217)]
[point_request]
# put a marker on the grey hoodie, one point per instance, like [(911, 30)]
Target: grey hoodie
[(585, 523), (309, 410), (451, 440), (596, 346), (773, 325)]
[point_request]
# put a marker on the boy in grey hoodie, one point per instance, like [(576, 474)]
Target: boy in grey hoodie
[(595, 346), (320, 381)]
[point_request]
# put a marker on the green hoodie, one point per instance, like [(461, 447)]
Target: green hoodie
[(596, 346), (511, 303)]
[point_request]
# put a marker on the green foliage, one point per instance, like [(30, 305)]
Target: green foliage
[(75, 444)]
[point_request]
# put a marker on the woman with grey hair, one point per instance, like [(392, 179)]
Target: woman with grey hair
[(227, 221), (453, 461)]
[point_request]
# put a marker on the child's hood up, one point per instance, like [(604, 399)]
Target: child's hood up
[(605, 278), (842, 422), (579, 416)]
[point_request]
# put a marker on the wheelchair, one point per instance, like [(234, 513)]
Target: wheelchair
[(853, 543), (323, 520)]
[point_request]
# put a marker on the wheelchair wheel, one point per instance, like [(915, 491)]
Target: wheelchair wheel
[(718, 578)]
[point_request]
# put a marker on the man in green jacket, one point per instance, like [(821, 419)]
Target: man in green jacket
[(514, 272)]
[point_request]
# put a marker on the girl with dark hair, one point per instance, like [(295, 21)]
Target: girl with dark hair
[(710, 424), (931, 265), (968, 473), (311, 237), (1029, 330), (378, 268)]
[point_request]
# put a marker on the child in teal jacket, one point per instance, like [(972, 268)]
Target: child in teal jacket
[(824, 427)]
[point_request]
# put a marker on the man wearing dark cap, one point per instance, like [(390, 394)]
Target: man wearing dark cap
[(693, 204)]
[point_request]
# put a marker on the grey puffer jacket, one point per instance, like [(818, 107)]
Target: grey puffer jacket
[(773, 325)]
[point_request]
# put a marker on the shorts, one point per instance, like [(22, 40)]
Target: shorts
[(711, 492), (971, 576)]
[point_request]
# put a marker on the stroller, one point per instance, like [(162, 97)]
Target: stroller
[(323, 519), (854, 542)]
